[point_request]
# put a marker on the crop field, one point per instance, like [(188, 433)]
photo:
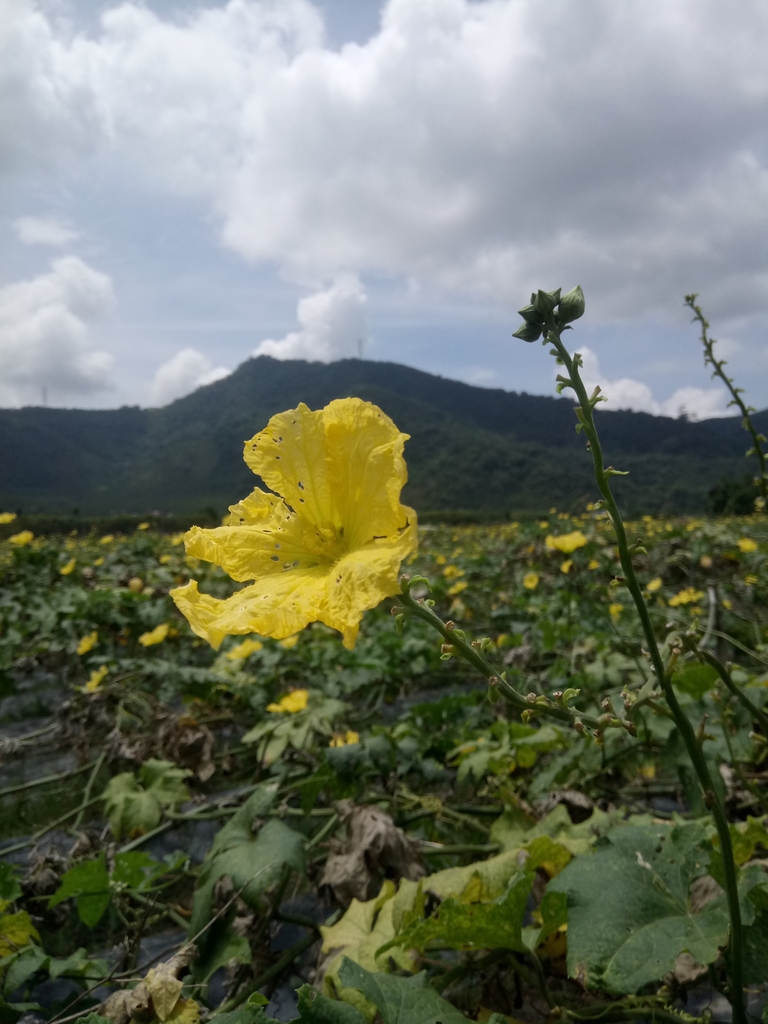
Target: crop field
[(288, 829)]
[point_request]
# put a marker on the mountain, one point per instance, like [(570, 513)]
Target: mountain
[(471, 448)]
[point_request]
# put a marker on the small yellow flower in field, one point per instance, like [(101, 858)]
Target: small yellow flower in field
[(164, 559), (155, 636), (452, 572), (290, 642), (615, 610), (98, 561), (647, 519), (20, 539), (653, 585), (648, 771), (705, 561), (135, 584), (294, 701), (244, 650), (327, 544), (143, 526), (96, 678), (567, 565), (727, 604), (65, 570), (440, 560), (746, 544), (566, 542), (687, 596), (344, 739), (88, 642), (593, 564), (107, 538), (502, 639), (457, 588), (531, 580), (176, 539), (543, 524), (750, 580), (7, 517)]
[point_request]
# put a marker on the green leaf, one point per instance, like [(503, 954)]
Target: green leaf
[(89, 883), (92, 1018), (315, 1008), (695, 679), (21, 969), (629, 906), (135, 869), (400, 1000), (134, 808), (10, 889), (468, 922), (253, 863)]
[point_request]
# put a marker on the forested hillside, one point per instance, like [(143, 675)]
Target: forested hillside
[(522, 449)]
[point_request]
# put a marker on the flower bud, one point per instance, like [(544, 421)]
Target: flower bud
[(572, 305), (544, 303), (529, 332)]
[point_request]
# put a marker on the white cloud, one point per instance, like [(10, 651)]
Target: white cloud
[(626, 393), (44, 231), (333, 325), (182, 374), (486, 147), (44, 335)]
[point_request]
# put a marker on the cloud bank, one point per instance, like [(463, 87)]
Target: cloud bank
[(44, 343), (626, 393), (182, 374), (333, 325), (487, 147), (44, 231)]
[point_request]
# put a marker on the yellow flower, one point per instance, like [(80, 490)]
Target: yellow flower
[(615, 610), (107, 538), (451, 572), (155, 636), (727, 604), (98, 561), (566, 542), (531, 580), (593, 564), (687, 596), (164, 559), (7, 517), (440, 560), (65, 570), (543, 524), (290, 642), (88, 643), (244, 650), (653, 585), (747, 544), (20, 539), (567, 565), (457, 588), (750, 580), (705, 561), (176, 539), (327, 545), (96, 678), (143, 526), (341, 739), (294, 701)]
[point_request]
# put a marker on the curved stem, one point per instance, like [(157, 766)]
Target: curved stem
[(539, 705), (736, 399), (758, 714), (585, 414)]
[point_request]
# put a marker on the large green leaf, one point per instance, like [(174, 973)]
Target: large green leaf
[(89, 883), (134, 807), (629, 906), (400, 1000)]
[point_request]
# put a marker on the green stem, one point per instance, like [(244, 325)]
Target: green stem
[(585, 414), (87, 792), (736, 399), (421, 610), (274, 971), (43, 780), (735, 691), (438, 851)]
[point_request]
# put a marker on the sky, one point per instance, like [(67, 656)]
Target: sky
[(186, 184)]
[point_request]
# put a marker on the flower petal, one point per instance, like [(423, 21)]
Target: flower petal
[(290, 457)]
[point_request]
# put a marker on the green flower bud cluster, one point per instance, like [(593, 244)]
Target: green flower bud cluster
[(549, 309)]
